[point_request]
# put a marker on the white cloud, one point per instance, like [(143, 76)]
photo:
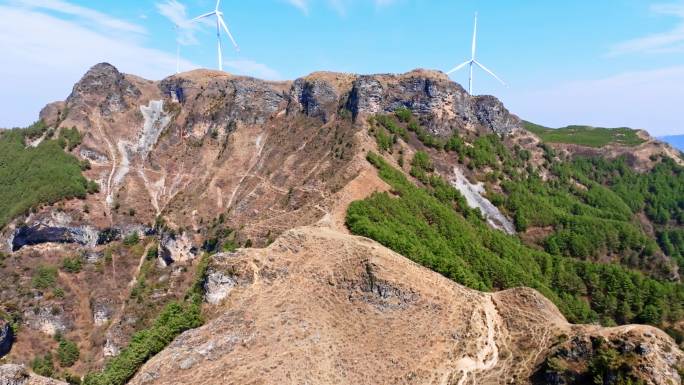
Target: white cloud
[(43, 56), (177, 14), (85, 14), (650, 100), (663, 42), (303, 5), (252, 68), (341, 6)]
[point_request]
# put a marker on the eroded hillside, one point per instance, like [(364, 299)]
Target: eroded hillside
[(318, 306), (205, 162)]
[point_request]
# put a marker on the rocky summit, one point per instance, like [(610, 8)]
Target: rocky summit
[(335, 229)]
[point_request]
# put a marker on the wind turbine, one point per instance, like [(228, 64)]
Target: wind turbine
[(219, 25), (176, 27), (472, 62)]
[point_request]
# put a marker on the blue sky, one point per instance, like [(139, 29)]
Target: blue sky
[(609, 62)]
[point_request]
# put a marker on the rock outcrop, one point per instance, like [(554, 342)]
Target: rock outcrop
[(6, 337), (443, 105), (18, 375), (39, 233), (318, 306)]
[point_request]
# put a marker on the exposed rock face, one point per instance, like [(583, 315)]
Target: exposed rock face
[(104, 85), (175, 248), (321, 307), (18, 375), (103, 310), (227, 274), (239, 99), (201, 143), (39, 233), (443, 105), (316, 98), (48, 320), (474, 195), (53, 114), (491, 112), (646, 354), (6, 337)]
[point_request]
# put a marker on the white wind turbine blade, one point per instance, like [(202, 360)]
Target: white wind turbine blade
[(218, 3), (474, 38), (230, 35), (489, 72), (458, 67), (203, 16)]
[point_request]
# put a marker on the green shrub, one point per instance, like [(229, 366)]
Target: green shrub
[(131, 239), (69, 138), (153, 252), (384, 141), (72, 379), (173, 320), (43, 366), (403, 114), (44, 277), (72, 264), (422, 161), (67, 353)]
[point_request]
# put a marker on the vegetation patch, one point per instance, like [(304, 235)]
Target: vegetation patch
[(593, 360), (43, 365), (72, 264), (174, 319), (67, 352), (586, 135), (44, 277), (33, 176), (430, 226)]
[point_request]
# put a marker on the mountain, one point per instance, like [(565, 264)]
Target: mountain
[(208, 218), (676, 141)]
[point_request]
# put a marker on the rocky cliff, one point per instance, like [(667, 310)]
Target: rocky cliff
[(205, 161)]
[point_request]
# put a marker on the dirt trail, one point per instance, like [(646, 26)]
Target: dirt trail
[(119, 314), (84, 319), (487, 356)]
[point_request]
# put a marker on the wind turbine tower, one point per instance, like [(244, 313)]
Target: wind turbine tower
[(220, 24), (473, 62), (176, 27)]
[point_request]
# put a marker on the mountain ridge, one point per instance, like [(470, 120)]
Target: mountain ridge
[(204, 162)]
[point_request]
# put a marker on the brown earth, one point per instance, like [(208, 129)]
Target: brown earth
[(322, 307), (203, 151)]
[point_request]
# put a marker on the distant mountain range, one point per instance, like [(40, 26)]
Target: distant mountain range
[(677, 141)]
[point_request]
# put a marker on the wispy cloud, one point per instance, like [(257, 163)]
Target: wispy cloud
[(84, 14), (341, 6), (252, 68), (41, 61), (663, 42), (177, 14), (303, 5), (43, 55)]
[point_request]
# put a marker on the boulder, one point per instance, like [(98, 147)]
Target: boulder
[(12, 374)]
